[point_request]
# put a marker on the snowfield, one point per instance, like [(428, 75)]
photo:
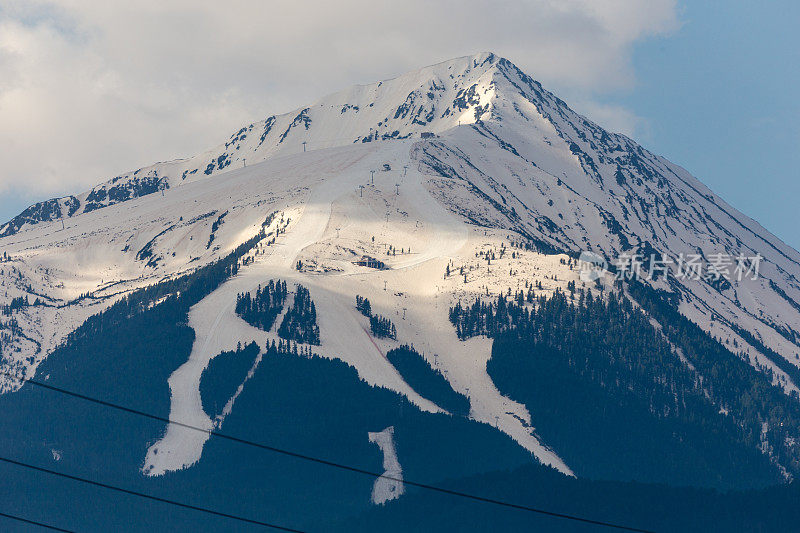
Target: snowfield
[(335, 215), (439, 165)]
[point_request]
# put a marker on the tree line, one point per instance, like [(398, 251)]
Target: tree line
[(379, 325), (578, 357), (261, 310)]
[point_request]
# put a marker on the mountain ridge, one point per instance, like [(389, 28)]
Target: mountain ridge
[(151, 179), (488, 177), (493, 98)]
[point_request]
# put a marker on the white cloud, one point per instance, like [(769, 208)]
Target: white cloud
[(612, 117), (89, 89)]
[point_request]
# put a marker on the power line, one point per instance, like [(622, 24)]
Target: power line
[(333, 464), (34, 522), (146, 496)]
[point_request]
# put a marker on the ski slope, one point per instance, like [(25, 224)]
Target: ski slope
[(344, 334), (438, 164)]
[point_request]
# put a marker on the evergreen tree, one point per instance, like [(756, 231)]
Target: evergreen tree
[(262, 309), (300, 321)]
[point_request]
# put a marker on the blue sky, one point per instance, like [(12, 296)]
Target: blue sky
[(83, 96), (720, 98)]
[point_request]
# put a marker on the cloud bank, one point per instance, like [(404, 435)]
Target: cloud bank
[(89, 89)]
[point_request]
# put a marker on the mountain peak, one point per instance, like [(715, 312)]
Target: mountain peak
[(496, 185), (419, 103), (464, 63)]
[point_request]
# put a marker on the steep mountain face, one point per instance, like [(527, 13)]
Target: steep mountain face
[(460, 181)]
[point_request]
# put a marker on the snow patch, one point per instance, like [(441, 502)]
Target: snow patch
[(390, 485)]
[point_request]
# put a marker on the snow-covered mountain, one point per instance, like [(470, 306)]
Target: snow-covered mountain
[(429, 172), (431, 100)]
